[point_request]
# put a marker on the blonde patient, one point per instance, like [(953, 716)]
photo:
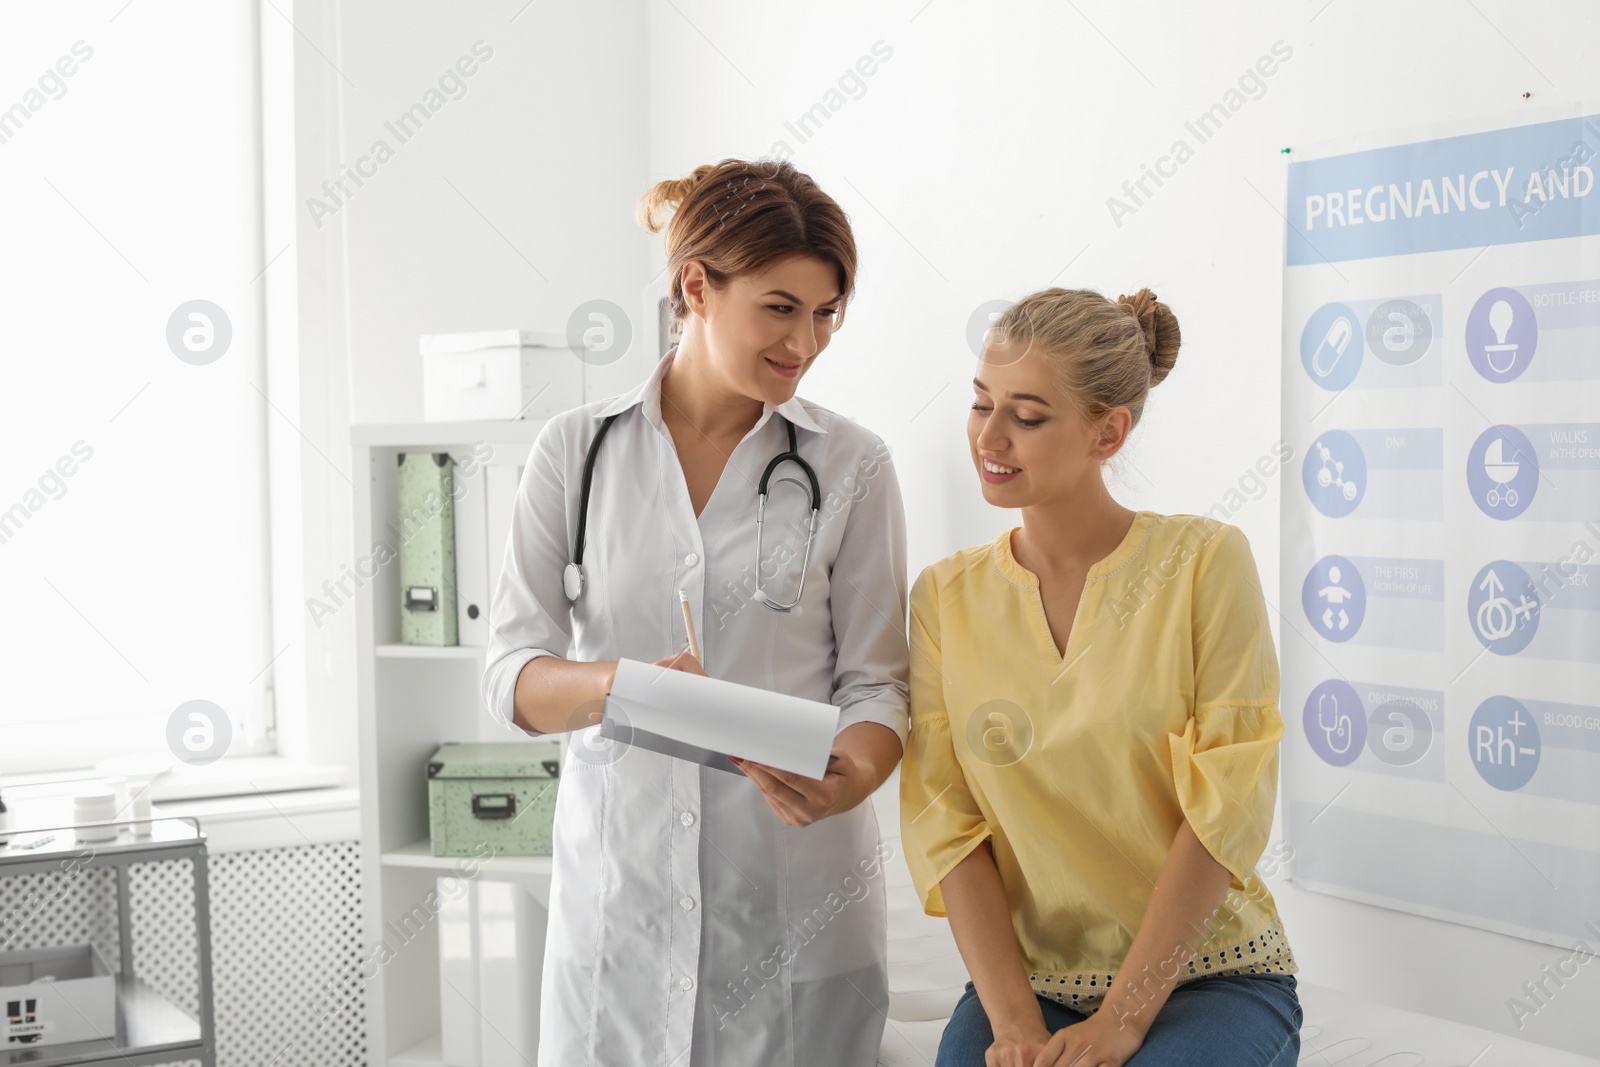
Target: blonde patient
[(1091, 771)]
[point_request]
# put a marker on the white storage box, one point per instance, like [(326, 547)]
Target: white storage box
[(52, 996), (501, 374)]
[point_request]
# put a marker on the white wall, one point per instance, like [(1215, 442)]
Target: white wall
[(511, 206), (975, 163)]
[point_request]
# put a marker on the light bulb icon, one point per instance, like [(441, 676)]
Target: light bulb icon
[(1502, 357)]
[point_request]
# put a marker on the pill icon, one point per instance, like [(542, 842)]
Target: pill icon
[(1334, 342)]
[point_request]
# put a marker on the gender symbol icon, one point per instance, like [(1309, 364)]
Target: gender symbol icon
[(1503, 606)]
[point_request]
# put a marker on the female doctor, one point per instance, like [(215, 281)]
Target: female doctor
[(701, 917)]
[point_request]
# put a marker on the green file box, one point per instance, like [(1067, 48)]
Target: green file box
[(426, 527), (502, 794)]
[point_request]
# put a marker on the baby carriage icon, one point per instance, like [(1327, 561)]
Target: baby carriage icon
[(1500, 471), (1326, 477)]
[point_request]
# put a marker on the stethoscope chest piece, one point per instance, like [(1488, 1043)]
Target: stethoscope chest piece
[(572, 581)]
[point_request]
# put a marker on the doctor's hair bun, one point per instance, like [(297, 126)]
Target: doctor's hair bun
[(741, 217), (665, 195), (1160, 329)]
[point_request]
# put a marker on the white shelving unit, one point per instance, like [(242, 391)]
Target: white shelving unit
[(410, 700), (430, 652)]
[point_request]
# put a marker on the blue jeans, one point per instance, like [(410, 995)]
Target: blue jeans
[(1226, 1020)]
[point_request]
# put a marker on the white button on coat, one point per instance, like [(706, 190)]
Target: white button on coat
[(787, 948)]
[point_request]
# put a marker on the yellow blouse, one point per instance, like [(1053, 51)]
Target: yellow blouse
[(1080, 767)]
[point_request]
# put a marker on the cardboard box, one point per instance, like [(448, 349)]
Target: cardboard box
[(53, 996)]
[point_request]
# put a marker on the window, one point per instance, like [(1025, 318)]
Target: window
[(133, 483)]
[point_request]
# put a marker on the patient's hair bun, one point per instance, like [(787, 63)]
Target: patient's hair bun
[(1160, 328)]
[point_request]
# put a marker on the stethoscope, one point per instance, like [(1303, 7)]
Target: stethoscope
[(572, 577), (1341, 725)]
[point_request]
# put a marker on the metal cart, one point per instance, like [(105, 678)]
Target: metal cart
[(150, 1028)]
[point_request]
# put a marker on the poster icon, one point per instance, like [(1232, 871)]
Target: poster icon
[(1330, 346), (1502, 472), (1503, 607), (1335, 474), (1334, 598), (1504, 742), (1335, 723), (1502, 332)]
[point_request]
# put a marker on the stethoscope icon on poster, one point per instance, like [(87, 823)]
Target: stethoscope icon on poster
[(1342, 727)]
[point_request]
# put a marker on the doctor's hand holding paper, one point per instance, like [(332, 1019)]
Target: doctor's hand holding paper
[(856, 768), (675, 880), (801, 801)]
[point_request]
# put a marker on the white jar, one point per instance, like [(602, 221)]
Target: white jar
[(97, 805), (139, 807)]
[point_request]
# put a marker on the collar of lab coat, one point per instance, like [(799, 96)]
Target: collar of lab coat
[(648, 393)]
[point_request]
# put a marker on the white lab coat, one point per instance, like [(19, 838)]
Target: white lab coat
[(689, 926)]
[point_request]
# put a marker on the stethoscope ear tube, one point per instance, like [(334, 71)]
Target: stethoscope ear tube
[(572, 576), (793, 455)]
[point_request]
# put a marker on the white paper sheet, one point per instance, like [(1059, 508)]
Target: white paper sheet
[(708, 717)]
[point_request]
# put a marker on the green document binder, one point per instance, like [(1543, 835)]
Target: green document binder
[(426, 527)]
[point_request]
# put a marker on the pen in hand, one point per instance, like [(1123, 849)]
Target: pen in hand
[(694, 646), (688, 624)]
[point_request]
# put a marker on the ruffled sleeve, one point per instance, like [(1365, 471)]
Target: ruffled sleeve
[(1225, 762), (940, 822)]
